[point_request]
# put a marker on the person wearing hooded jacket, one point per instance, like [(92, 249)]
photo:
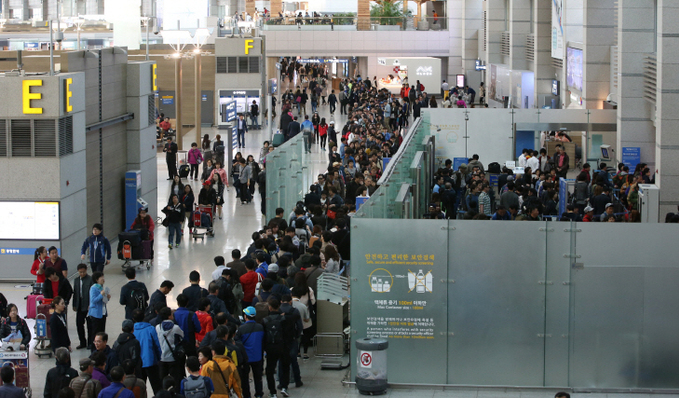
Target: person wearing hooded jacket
[(170, 337), (127, 347), (150, 349), (62, 374), (99, 249)]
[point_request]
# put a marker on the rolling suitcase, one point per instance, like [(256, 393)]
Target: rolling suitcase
[(278, 139), (146, 249), (184, 171), (32, 305)]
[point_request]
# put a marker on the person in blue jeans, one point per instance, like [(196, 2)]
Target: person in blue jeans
[(254, 113), (99, 249), (175, 215), (242, 127)]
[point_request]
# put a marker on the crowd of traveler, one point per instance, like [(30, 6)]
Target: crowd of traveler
[(253, 319)]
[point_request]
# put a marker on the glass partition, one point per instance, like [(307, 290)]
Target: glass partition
[(287, 176), (534, 304)]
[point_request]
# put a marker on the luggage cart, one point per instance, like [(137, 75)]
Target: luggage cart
[(43, 335), (131, 250), (199, 221), (19, 361)]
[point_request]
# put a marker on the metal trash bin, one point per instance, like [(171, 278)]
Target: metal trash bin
[(371, 365)]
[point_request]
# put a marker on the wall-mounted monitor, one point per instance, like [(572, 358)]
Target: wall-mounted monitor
[(29, 220), (556, 87), (459, 80), (574, 68)]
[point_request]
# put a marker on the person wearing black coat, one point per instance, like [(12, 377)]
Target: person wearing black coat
[(60, 375), (293, 129), (14, 320), (58, 325), (81, 303), (175, 215), (128, 347), (126, 291), (65, 290), (194, 292)]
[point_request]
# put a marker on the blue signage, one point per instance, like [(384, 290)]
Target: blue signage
[(494, 181), (204, 97), (360, 200), (385, 162), (631, 156), (231, 111), (19, 251), (458, 161), (31, 46), (167, 101), (234, 136)]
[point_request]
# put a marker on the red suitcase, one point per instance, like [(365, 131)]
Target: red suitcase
[(32, 305), (47, 310)]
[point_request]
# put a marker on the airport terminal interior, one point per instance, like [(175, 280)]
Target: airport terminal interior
[(350, 159)]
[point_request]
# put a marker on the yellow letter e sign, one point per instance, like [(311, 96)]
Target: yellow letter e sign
[(69, 94), (28, 96)]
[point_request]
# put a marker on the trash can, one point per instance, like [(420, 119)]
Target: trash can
[(371, 365)]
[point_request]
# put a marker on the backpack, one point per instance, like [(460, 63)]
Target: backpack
[(137, 299), (262, 308), (220, 149), (273, 326), (494, 168), (195, 388)]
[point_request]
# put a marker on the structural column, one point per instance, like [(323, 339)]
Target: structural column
[(599, 36), (276, 7), (519, 28), (363, 15), (496, 24), (542, 58), (470, 17), (198, 95), (178, 100), (636, 39), (667, 103)]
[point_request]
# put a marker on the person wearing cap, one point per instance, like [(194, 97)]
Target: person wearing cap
[(127, 346), (608, 212), (60, 375), (251, 334), (589, 213), (84, 385)]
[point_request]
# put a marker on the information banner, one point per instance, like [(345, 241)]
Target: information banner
[(402, 288), (631, 156), (557, 29)]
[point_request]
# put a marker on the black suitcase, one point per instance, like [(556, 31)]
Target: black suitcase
[(494, 168), (184, 171)]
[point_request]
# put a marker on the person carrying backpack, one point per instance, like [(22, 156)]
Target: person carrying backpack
[(223, 373), (195, 385), (277, 347), (133, 294), (251, 334)]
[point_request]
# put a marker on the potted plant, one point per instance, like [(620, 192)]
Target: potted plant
[(387, 12)]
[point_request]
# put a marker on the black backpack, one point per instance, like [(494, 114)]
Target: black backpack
[(494, 168), (220, 149), (273, 326), (137, 299)]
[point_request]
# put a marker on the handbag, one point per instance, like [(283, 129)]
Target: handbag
[(178, 353), (166, 222), (299, 99), (332, 214)]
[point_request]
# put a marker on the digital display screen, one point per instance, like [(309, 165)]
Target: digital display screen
[(459, 80), (29, 220), (604, 153), (574, 68)]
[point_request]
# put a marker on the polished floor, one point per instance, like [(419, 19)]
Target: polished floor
[(233, 231)]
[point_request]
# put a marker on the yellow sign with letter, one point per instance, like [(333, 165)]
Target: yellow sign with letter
[(69, 94), (154, 77), (28, 96), (248, 46)]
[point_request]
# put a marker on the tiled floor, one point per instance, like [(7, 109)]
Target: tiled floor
[(234, 231)]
